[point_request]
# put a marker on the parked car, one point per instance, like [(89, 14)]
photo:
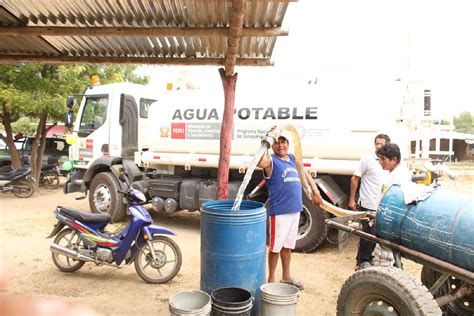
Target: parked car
[(56, 151)]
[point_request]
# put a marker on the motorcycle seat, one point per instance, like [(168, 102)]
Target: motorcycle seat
[(9, 175), (48, 167), (85, 216)]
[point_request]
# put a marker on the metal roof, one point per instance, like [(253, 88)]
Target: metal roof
[(179, 32)]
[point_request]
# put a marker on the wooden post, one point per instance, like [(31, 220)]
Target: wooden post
[(229, 83)]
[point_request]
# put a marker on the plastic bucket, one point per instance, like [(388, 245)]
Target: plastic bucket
[(192, 302), (278, 299), (231, 301), (233, 247)]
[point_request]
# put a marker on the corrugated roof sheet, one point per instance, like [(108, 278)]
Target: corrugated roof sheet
[(135, 14)]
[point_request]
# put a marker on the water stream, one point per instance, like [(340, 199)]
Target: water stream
[(248, 176)]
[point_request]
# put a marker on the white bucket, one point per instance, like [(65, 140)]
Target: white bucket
[(279, 299), (192, 302)]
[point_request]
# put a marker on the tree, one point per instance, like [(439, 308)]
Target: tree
[(464, 123), (24, 126), (39, 91), (444, 122)]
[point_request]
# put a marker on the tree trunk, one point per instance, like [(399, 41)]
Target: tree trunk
[(37, 150), (8, 139), (229, 84)]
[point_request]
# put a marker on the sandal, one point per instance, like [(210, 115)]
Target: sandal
[(293, 282)]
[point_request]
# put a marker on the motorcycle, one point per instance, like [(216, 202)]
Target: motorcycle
[(17, 181), (81, 237), (49, 176)]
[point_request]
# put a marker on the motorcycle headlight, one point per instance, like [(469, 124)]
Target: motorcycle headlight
[(139, 196)]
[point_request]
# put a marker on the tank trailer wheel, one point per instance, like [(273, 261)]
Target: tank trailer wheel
[(384, 291), (462, 306)]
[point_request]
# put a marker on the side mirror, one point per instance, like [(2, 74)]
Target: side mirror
[(70, 101), (69, 121)]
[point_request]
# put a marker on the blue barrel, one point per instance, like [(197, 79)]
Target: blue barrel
[(233, 247), (441, 226)]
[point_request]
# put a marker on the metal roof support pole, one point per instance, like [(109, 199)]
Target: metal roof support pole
[(229, 81)]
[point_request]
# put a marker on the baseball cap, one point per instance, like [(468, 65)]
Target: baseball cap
[(285, 136)]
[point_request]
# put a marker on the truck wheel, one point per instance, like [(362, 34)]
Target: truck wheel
[(104, 196), (462, 306), (385, 291), (312, 228)]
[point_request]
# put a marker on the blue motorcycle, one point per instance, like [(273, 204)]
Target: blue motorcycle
[(81, 238)]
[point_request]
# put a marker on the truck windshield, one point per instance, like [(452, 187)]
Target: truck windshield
[(93, 115)]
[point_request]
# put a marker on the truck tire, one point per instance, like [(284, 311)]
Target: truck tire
[(104, 196), (462, 306), (312, 230), (385, 291)]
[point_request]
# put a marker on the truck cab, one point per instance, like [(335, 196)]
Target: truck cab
[(108, 123)]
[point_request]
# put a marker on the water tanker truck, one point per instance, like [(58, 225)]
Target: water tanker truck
[(173, 137)]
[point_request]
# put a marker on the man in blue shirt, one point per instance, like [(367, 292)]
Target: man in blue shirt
[(284, 207)]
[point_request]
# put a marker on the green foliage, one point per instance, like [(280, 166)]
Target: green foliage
[(24, 125), (32, 89), (464, 123), (39, 91), (444, 122)]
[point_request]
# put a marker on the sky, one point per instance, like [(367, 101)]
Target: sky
[(432, 41)]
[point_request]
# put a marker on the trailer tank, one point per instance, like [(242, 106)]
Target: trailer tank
[(441, 226)]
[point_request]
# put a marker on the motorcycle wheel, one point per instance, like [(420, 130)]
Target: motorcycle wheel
[(69, 239), (168, 263), (23, 188), (50, 181)]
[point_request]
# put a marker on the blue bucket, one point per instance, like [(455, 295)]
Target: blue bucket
[(441, 226), (233, 247)]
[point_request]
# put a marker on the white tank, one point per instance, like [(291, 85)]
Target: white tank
[(334, 122)]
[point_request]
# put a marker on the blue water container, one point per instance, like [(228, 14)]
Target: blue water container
[(441, 226), (233, 247)]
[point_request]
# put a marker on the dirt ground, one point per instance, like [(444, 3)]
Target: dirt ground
[(24, 252)]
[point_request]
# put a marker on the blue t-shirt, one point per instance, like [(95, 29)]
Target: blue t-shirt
[(284, 187)]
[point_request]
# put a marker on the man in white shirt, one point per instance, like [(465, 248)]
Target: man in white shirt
[(371, 177)]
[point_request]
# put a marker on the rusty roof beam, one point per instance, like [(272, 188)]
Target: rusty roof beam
[(185, 61), (139, 31), (236, 21)]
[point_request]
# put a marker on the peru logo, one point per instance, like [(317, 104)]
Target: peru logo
[(178, 130), (164, 131)]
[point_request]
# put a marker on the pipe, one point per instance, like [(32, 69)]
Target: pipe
[(462, 292), (458, 272), (338, 211), (76, 255)]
